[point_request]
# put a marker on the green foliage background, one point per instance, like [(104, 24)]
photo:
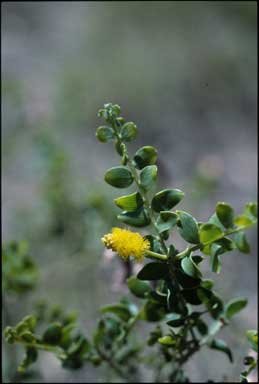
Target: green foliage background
[(185, 72)]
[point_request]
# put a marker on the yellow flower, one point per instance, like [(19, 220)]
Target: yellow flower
[(126, 243)]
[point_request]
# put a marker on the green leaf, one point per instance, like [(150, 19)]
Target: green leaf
[(129, 202), (241, 242), (197, 259), (234, 306), (137, 218), (207, 283), (215, 261), (185, 280), (190, 268), (225, 214), (252, 337), (191, 296), (221, 346), (154, 271), (152, 311), (105, 134), (128, 131), (120, 148), (155, 245), (202, 327), (166, 340), (243, 221), (166, 199), (137, 287), (145, 156), (251, 209), (166, 221), (53, 334), (175, 320), (214, 220), (188, 227), (119, 310), (148, 177), (209, 233), (119, 177), (31, 355)]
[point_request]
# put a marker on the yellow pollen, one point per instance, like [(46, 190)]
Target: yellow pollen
[(126, 243)]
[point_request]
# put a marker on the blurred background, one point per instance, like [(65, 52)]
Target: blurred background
[(185, 73)]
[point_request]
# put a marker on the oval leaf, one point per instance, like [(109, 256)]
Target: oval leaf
[(225, 214), (241, 242), (137, 287), (234, 306), (128, 131), (209, 233), (153, 271), (166, 221), (119, 177), (145, 156), (105, 134), (119, 310), (166, 199), (166, 340), (148, 177), (188, 227), (137, 218)]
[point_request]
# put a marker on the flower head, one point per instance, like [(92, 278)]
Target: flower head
[(126, 243)]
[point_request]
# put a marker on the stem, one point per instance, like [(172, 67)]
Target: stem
[(111, 363), (154, 255), (44, 347)]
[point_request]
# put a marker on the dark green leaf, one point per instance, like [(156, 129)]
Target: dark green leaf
[(197, 259), (191, 296), (185, 280), (119, 177), (154, 271), (145, 156), (221, 346), (241, 242), (202, 327), (53, 334), (214, 220), (175, 320), (148, 177), (166, 199), (207, 283), (225, 214), (188, 227), (215, 261), (153, 311), (137, 218), (251, 209), (166, 221)]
